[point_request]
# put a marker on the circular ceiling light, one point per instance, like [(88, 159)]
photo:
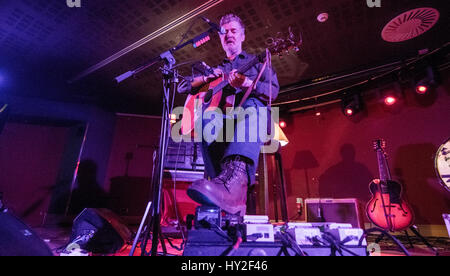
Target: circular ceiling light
[(322, 17), (410, 24)]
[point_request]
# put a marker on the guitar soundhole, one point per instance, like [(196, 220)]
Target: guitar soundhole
[(374, 206)]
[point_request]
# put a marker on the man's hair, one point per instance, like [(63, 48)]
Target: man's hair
[(231, 17)]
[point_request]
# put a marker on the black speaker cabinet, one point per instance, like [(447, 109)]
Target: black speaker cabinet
[(104, 231), (17, 239)]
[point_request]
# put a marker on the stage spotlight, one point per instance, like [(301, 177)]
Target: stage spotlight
[(424, 85), (283, 124), (421, 89), (390, 94), (351, 104), (348, 112), (390, 100)]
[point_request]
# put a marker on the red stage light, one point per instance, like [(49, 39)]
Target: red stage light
[(352, 104), (283, 124), (390, 100), (348, 111), (421, 89)]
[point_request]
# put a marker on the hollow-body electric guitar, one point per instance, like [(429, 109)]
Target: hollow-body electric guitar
[(386, 209)]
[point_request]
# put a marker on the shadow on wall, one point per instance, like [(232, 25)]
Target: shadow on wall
[(346, 179), (88, 193), (304, 160), (414, 169)]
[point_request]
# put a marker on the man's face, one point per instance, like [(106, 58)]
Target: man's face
[(233, 37)]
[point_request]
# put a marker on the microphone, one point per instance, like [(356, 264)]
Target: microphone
[(213, 25), (203, 68)]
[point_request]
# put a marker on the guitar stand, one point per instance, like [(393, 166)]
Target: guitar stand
[(422, 238), (381, 236), (413, 229)]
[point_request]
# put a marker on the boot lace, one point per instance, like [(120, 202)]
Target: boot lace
[(229, 171)]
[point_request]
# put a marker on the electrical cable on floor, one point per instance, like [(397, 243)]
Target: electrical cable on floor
[(376, 229), (237, 244)]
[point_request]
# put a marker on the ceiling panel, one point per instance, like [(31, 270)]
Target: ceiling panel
[(45, 43)]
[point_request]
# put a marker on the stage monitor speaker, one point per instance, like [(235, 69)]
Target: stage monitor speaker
[(103, 231), (18, 239), (345, 210)]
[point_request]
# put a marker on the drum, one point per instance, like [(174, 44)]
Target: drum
[(442, 164)]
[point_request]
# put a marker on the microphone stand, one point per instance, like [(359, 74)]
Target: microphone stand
[(170, 80)]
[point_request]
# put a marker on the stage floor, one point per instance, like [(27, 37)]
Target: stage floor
[(58, 237)]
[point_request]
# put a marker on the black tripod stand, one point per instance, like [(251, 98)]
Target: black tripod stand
[(415, 232), (170, 80)]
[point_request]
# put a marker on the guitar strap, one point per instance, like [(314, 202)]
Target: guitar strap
[(250, 89)]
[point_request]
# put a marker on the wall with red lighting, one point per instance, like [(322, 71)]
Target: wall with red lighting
[(128, 178), (39, 149), (30, 157), (331, 156), (328, 156)]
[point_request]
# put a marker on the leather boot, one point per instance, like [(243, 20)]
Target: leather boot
[(228, 190)]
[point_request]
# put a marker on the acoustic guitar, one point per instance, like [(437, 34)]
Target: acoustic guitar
[(386, 208), (214, 95)]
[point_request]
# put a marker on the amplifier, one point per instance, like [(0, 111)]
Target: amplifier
[(345, 210), (314, 233)]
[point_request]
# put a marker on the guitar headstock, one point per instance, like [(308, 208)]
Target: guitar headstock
[(379, 145), (282, 44)]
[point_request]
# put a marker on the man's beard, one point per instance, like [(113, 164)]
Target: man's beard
[(232, 48)]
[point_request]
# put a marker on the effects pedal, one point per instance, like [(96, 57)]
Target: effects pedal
[(258, 229)]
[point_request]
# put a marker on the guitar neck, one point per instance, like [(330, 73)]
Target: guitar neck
[(244, 68), (241, 70), (383, 167)]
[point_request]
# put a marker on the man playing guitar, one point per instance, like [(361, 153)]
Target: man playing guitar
[(231, 166)]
